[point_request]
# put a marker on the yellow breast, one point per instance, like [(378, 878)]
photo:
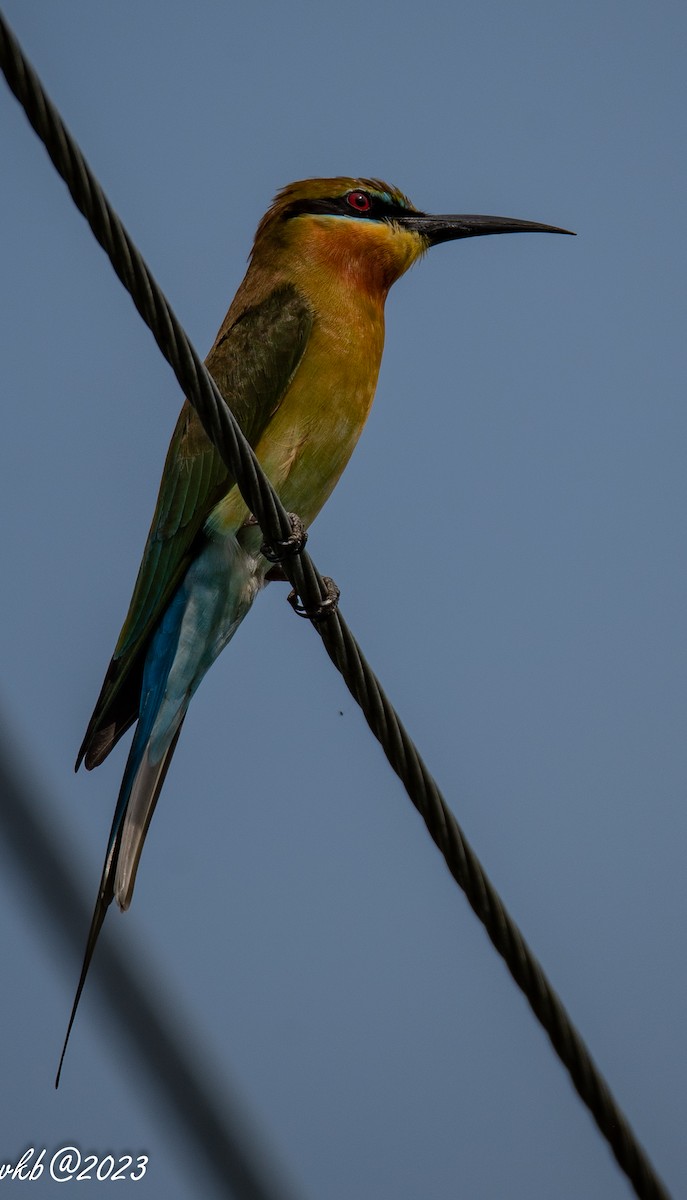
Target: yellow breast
[(345, 272)]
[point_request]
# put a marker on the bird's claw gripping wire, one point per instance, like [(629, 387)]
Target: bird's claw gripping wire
[(319, 611), (276, 552)]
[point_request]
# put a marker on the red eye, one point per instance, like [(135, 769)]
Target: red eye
[(360, 201)]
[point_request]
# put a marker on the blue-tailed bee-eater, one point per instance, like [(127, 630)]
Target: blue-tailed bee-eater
[(296, 359)]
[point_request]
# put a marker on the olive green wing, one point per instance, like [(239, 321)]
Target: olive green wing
[(253, 362)]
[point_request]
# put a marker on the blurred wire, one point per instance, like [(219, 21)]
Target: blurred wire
[(163, 1051)]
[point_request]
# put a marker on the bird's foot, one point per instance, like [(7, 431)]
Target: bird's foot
[(325, 608), (276, 552)]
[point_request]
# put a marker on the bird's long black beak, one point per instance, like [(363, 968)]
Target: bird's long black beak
[(449, 228)]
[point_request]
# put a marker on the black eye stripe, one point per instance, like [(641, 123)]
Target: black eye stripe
[(340, 206)]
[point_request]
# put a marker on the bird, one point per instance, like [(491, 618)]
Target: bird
[(296, 360)]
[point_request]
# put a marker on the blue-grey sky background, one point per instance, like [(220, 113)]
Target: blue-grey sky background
[(509, 539)]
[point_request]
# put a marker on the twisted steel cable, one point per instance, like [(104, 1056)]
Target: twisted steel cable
[(198, 385)]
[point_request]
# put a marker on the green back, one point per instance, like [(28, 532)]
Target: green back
[(253, 364)]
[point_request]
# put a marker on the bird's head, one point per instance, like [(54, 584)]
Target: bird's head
[(364, 230)]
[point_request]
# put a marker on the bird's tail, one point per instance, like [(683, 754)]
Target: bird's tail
[(141, 786), (199, 621)]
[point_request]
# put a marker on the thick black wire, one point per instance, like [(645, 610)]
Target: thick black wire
[(212, 1129), (341, 646)]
